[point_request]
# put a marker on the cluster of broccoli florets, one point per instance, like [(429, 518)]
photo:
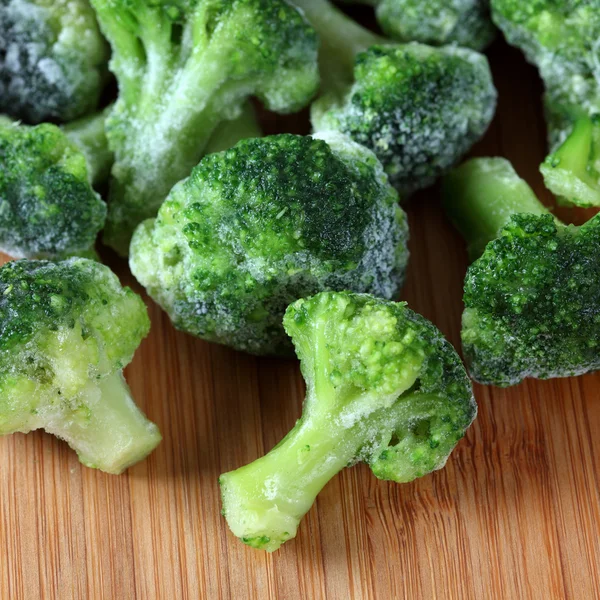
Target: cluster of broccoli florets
[(270, 244)]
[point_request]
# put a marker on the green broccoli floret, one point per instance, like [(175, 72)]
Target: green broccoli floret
[(67, 329), (383, 387), (183, 67), (89, 135), (47, 206), (263, 224), (53, 59), (417, 107), (532, 300), (561, 37), (438, 22)]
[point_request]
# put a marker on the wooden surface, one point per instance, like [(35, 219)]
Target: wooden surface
[(515, 514)]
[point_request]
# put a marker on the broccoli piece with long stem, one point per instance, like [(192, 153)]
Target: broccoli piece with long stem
[(418, 108), (184, 67), (466, 23), (383, 387), (532, 299), (47, 206), (67, 329), (53, 59), (560, 37), (265, 223)]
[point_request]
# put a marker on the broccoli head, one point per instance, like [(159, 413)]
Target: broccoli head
[(53, 59), (183, 67), (67, 329), (466, 23), (532, 300), (561, 37), (383, 387), (47, 206), (263, 224), (418, 108)]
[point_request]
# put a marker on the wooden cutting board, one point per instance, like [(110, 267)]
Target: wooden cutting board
[(515, 514)]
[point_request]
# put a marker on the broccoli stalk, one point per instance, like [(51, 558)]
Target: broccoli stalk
[(531, 299), (67, 330), (482, 195), (437, 22), (229, 133), (572, 171), (418, 108), (89, 135), (182, 69), (383, 387)]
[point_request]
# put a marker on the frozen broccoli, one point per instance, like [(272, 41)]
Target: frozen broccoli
[(53, 59), (437, 22), (561, 38), (263, 224), (47, 206), (183, 67), (383, 387), (89, 135), (532, 300), (67, 329), (417, 107)]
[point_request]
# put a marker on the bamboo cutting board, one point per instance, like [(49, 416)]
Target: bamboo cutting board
[(514, 515)]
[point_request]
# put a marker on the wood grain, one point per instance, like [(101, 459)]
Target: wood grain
[(515, 514)]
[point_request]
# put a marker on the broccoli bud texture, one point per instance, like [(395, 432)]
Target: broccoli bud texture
[(383, 387)]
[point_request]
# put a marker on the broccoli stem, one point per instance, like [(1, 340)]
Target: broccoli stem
[(229, 133), (106, 429), (572, 171), (89, 135), (481, 196), (341, 40), (265, 500)]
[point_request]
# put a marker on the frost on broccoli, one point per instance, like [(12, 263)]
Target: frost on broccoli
[(53, 59), (383, 387), (47, 207), (67, 330), (532, 300), (418, 108), (184, 67), (466, 23), (561, 38), (263, 224)]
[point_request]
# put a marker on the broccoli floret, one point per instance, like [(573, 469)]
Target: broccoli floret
[(263, 224), (532, 300), (53, 59), (183, 67), (561, 37), (438, 22), (89, 135), (417, 107), (67, 329), (383, 387), (47, 206)]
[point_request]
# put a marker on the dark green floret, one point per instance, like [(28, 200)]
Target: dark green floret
[(53, 59), (183, 68), (532, 300), (561, 37), (465, 23), (263, 224), (383, 387), (418, 108), (47, 206), (67, 330)]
